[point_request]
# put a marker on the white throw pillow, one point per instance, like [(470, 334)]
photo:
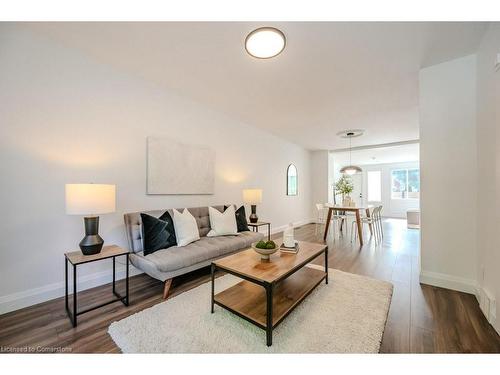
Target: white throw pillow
[(186, 229), (222, 224)]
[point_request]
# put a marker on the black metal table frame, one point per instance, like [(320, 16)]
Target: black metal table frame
[(269, 287), (255, 228), (124, 299)]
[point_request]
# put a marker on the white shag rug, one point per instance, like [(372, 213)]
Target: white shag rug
[(346, 316)]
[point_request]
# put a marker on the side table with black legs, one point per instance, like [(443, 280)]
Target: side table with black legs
[(76, 258), (255, 227)]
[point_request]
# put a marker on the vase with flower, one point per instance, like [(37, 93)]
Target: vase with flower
[(344, 187)]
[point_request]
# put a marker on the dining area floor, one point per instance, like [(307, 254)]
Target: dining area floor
[(422, 318)]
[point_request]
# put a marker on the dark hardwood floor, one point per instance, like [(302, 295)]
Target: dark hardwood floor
[(422, 319)]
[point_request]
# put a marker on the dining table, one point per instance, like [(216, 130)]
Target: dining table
[(356, 209)]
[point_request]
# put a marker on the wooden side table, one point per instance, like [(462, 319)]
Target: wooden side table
[(255, 227), (76, 258)]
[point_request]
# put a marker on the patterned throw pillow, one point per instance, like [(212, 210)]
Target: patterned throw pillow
[(157, 233)]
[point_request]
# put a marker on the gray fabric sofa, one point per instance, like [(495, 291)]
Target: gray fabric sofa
[(168, 263)]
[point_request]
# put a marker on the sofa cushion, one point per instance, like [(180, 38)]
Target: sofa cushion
[(157, 233), (241, 219), (222, 224), (134, 230), (154, 234), (186, 229), (206, 248)]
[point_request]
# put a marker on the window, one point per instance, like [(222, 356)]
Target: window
[(291, 180), (405, 184), (414, 183), (374, 186)]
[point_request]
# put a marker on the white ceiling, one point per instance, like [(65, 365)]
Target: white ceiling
[(380, 155), (331, 76)]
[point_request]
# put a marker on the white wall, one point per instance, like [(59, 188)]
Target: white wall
[(392, 207), (332, 177), (334, 173), (448, 174), (460, 122), (488, 169), (319, 179), (66, 118)]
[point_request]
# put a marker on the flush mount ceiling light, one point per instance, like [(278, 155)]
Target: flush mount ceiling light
[(265, 42), (350, 169)]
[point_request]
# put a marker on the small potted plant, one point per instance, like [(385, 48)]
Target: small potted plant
[(265, 249), (345, 187)]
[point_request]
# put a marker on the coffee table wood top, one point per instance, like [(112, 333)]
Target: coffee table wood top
[(249, 264)]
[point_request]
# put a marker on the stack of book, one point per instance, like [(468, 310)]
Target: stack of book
[(291, 250)]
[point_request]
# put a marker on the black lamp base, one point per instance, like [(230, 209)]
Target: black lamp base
[(253, 217), (92, 242)]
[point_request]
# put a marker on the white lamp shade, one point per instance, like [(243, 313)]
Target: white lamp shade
[(252, 196), (90, 199)]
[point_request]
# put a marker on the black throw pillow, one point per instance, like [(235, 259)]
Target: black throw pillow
[(172, 240), (157, 233), (241, 219)]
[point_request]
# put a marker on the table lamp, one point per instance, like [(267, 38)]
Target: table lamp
[(252, 197), (90, 200)]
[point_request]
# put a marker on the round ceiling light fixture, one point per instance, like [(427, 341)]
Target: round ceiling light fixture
[(265, 42)]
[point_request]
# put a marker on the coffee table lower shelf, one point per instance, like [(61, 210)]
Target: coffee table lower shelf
[(249, 300)]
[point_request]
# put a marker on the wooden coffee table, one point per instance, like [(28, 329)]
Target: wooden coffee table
[(270, 290)]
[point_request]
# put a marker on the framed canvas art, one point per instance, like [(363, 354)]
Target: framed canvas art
[(178, 168)]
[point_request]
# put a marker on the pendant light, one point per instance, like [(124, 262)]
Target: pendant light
[(350, 169)]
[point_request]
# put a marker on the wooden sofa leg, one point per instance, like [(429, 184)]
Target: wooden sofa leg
[(166, 288)]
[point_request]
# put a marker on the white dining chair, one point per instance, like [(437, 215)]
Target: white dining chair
[(336, 219), (320, 212), (375, 220), (379, 220), (341, 220), (321, 215)]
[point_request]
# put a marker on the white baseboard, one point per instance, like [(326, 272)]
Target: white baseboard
[(45, 293), (460, 284), (449, 282), (488, 305), (295, 225), (495, 323)]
